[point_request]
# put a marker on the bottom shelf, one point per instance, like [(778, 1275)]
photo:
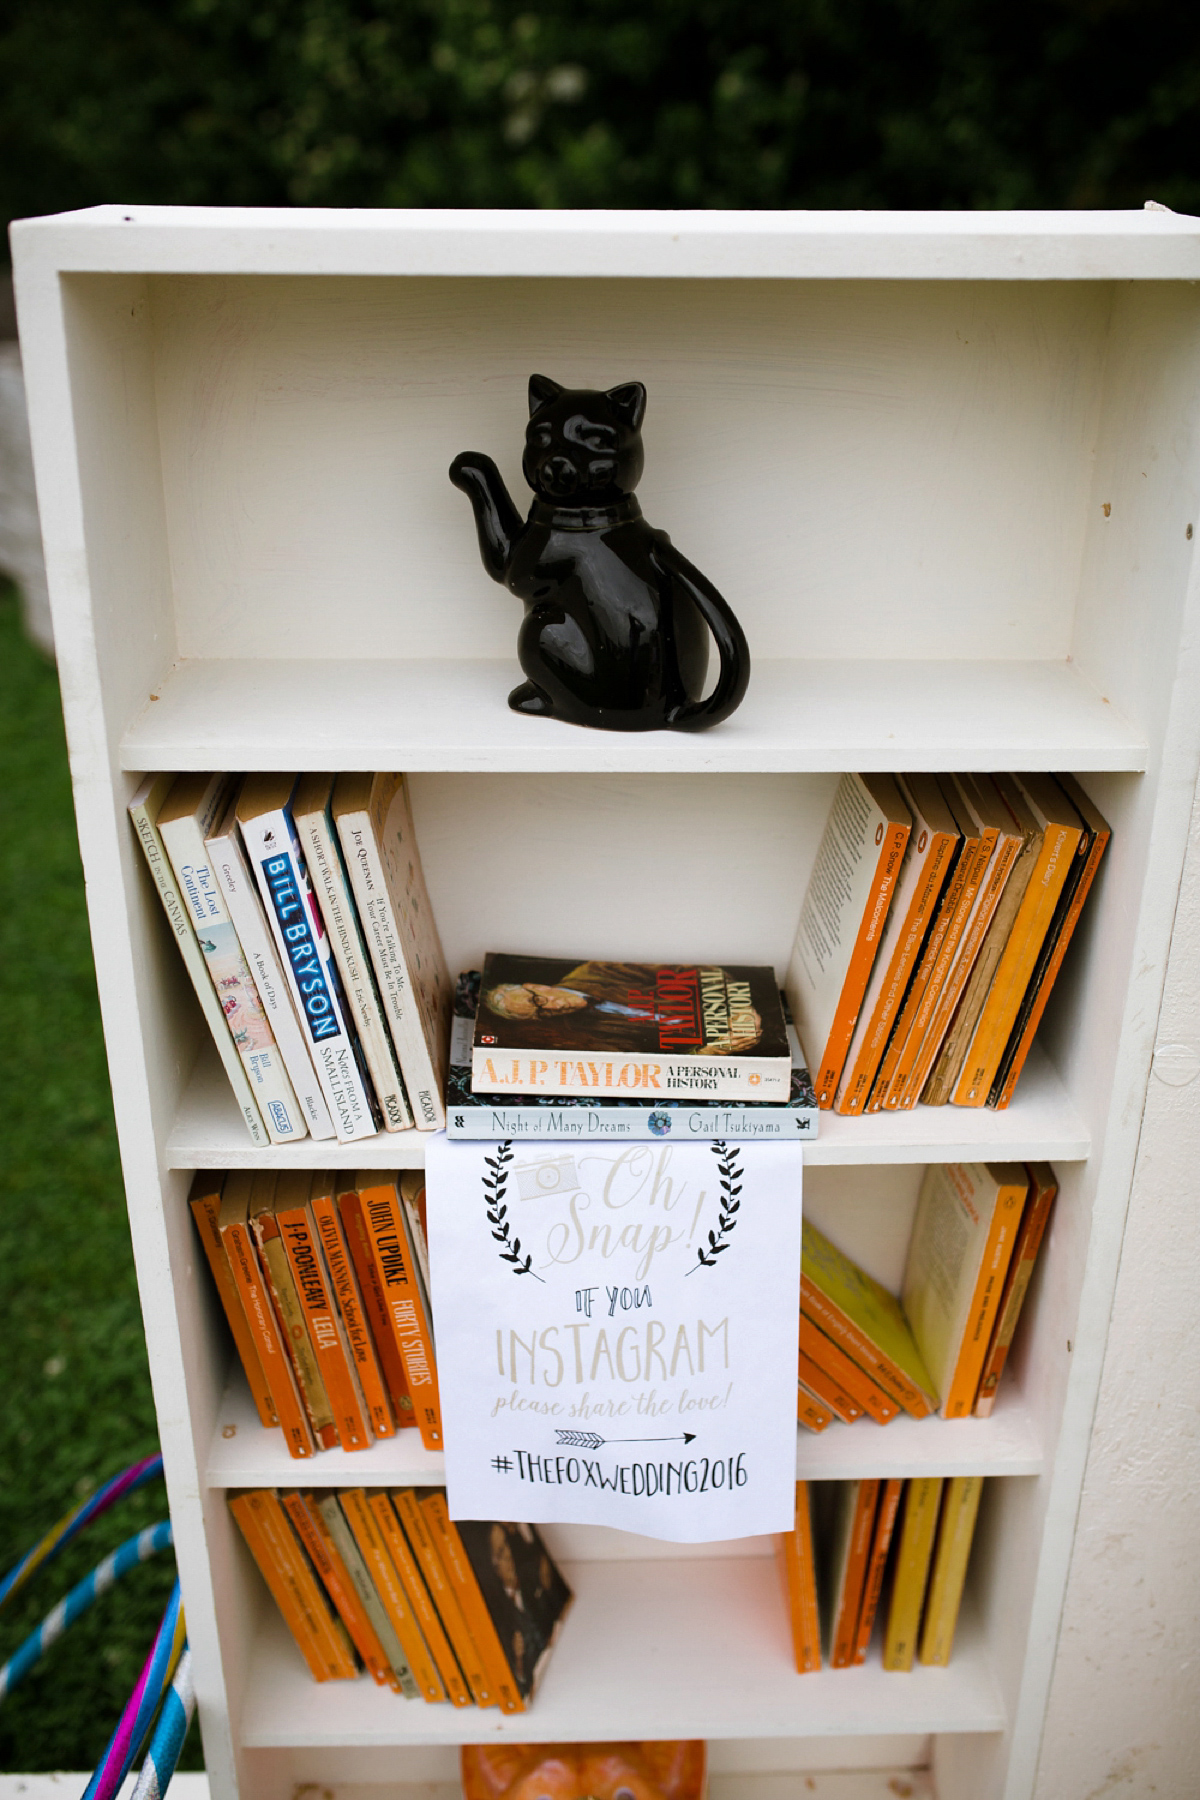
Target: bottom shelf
[(679, 1648)]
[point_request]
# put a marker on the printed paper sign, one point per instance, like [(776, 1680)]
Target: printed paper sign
[(617, 1333)]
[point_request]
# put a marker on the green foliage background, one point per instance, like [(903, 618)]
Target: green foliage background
[(689, 103)]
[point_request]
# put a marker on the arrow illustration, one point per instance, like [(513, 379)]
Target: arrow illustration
[(591, 1440)]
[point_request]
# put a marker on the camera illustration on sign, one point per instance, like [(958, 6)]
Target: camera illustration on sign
[(617, 623)]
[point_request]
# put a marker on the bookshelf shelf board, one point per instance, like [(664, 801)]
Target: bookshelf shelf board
[(244, 1453), (1006, 1444), (678, 1648), (1041, 1123), (972, 246), (799, 715)]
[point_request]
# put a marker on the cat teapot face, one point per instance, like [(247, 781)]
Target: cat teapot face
[(583, 447)]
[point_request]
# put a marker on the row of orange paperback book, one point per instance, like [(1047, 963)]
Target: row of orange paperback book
[(934, 925), (324, 1279), (888, 1549), (943, 1343), (385, 1581)]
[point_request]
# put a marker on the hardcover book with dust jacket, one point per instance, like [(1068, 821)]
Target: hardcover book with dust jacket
[(667, 1031)]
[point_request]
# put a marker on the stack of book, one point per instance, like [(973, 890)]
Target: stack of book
[(942, 1345), (624, 1050), (324, 1280), (301, 912), (934, 925), (892, 1549), (385, 1581)]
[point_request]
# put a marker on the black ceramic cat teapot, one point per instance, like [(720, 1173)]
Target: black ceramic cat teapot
[(617, 622)]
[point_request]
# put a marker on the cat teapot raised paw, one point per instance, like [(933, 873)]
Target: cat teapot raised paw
[(617, 623)]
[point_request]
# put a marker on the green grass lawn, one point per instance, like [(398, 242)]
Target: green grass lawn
[(77, 1405)]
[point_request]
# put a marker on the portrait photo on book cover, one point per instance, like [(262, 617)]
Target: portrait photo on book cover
[(550, 1003)]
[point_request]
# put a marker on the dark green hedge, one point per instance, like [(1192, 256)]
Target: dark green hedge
[(757, 103)]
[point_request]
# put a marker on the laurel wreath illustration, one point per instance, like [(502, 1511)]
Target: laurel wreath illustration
[(731, 1186), (495, 1186)]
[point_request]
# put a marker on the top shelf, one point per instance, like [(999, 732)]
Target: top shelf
[(798, 716), (966, 246)]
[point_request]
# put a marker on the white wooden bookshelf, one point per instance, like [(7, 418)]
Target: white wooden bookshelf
[(947, 470)]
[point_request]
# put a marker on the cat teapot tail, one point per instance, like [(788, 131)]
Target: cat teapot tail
[(730, 639)]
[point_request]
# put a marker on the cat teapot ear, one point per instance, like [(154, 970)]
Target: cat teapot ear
[(541, 391), (629, 400)]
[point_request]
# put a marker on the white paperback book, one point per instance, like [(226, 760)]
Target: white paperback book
[(312, 810), (922, 873), (190, 811), (144, 809), (374, 822), (273, 851), (258, 947), (842, 917)]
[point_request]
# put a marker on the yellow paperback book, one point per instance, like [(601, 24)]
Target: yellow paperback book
[(959, 1511)]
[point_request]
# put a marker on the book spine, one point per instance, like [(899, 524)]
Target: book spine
[(1014, 1056), (985, 1302), (232, 981), (321, 1640), (293, 1330), (478, 1122), (358, 1243), (1016, 965), (426, 1612), (205, 1208), (799, 1575), (812, 1413), (392, 1255), (457, 1565), (856, 1086), (858, 970), (905, 1085), (185, 936), (322, 852), (927, 1078), (322, 1553), (424, 1547), (373, 1551), (861, 1349), (258, 947), (277, 1369), (350, 1305), (555, 1073), (291, 909), (946, 1071), (885, 1524), (959, 1512), (304, 1258), (957, 883), (819, 1382), (423, 1665), (845, 1625), (853, 1379), (921, 1502), (328, 1509), (1016, 1286), (368, 879)]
